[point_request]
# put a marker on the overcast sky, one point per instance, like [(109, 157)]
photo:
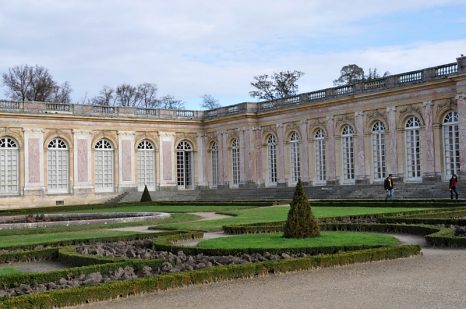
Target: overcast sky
[(189, 48)]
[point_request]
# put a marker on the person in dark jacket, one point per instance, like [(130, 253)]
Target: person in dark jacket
[(452, 186), (388, 186)]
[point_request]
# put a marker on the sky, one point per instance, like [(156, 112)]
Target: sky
[(189, 48)]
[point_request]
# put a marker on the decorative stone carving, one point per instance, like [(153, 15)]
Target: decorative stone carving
[(341, 120), (414, 109)]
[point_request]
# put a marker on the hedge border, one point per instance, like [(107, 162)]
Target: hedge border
[(105, 291), (102, 265), (29, 255)]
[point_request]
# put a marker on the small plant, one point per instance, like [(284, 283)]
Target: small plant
[(146, 195), (301, 222)]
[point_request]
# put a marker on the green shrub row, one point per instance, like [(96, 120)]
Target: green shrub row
[(440, 203), (29, 255), (102, 265), (75, 296), (433, 221)]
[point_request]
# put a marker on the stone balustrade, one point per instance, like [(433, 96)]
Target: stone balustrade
[(365, 86)]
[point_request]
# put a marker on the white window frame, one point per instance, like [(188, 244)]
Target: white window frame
[(451, 151), (9, 167), (378, 151), (413, 149), (295, 163), (146, 165), (184, 165), (104, 166), (320, 167), (235, 162), (272, 160), (57, 166), (347, 151)]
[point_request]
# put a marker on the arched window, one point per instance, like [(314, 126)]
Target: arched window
[(348, 153), (295, 159), (235, 161), (413, 149), (104, 166), (451, 142), (214, 162), (9, 154), (58, 166), (319, 140), (272, 158), (184, 165), (378, 150), (146, 165)]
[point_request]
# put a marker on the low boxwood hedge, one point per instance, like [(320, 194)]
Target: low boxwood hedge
[(29, 255), (115, 289)]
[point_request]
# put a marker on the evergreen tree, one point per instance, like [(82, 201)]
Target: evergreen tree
[(301, 222), (146, 195)]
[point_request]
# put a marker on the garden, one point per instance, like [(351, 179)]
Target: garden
[(55, 257)]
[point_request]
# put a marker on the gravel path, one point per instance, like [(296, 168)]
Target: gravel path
[(435, 280)]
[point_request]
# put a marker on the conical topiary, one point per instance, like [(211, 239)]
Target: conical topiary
[(146, 195), (300, 223)]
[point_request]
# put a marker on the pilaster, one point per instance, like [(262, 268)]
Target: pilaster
[(127, 170), (391, 153), (167, 168), (82, 140), (330, 151), (360, 157), (461, 105), (428, 166), (34, 162), (304, 128)]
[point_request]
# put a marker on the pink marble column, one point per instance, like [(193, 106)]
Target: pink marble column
[(391, 154), (281, 154), (429, 147), (330, 151), (222, 157), (202, 159), (461, 105), (304, 127), (258, 177), (243, 157), (360, 157)]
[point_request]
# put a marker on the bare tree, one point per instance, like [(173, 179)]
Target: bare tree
[(170, 102), (209, 102), (373, 74), (280, 85), (34, 83), (105, 97), (62, 94), (148, 95), (349, 74), (127, 95)]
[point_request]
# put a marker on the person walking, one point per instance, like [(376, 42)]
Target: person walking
[(388, 186), (452, 186)]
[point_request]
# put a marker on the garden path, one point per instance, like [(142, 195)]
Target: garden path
[(433, 280)]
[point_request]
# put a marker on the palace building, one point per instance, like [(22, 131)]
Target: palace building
[(411, 125)]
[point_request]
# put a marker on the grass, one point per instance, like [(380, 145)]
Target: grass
[(277, 213), (174, 218), (6, 271), (275, 240), (21, 240)]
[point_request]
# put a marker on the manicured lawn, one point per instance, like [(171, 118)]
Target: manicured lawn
[(8, 271), (174, 218), (275, 240), (278, 213), (21, 240)]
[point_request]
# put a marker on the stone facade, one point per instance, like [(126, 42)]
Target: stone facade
[(411, 125)]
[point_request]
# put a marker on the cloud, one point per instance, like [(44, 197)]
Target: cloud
[(189, 48)]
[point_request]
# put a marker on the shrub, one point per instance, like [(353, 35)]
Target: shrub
[(301, 223), (146, 195)]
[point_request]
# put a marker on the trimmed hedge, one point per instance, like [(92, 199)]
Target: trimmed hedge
[(103, 268), (30, 255), (115, 289)]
